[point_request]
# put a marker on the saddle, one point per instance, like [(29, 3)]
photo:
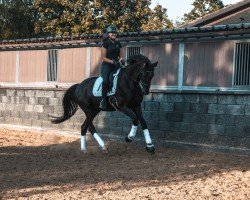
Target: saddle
[(97, 88)]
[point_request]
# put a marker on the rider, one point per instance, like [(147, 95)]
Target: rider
[(112, 57)]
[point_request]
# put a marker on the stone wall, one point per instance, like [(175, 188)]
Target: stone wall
[(219, 119)]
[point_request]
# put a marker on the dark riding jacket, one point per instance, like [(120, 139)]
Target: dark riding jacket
[(113, 52), (113, 49)]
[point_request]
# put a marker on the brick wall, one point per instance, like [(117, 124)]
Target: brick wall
[(221, 119)]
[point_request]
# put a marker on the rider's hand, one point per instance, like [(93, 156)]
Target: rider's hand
[(122, 62), (117, 63)]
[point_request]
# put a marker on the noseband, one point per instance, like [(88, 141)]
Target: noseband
[(139, 76)]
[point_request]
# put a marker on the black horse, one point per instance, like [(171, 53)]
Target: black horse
[(134, 82)]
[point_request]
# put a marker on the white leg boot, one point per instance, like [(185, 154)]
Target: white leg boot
[(83, 143), (99, 141), (150, 147), (132, 133)]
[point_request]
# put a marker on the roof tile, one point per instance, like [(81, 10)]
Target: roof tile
[(184, 33)]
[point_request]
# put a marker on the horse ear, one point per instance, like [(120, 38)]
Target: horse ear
[(154, 64)]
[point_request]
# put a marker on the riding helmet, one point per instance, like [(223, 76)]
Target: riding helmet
[(112, 29)]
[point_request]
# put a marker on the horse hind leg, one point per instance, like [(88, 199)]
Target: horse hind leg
[(90, 115), (84, 128), (99, 140)]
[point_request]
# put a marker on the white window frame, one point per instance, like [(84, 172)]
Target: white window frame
[(128, 46), (234, 65), (57, 65)]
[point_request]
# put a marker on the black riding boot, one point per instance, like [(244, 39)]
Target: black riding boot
[(104, 96)]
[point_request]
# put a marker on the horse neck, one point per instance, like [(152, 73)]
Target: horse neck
[(132, 71), (129, 77)]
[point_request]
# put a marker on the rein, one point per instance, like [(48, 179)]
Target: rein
[(139, 82), (139, 76)]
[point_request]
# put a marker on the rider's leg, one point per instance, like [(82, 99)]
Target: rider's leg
[(106, 69)]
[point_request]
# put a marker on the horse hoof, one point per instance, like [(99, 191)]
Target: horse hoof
[(105, 150), (150, 149), (127, 139), (84, 151)]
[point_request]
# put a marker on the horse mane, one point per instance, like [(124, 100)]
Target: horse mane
[(135, 62), (138, 58)]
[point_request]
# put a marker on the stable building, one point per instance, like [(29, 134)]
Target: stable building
[(200, 93), (233, 14)]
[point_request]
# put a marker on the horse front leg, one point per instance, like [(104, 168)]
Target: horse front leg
[(127, 111), (149, 144)]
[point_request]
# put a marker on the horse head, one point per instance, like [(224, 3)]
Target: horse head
[(143, 71), (146, 76)]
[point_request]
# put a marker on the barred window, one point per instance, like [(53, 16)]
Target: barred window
[(52, 60), (132, 50), (242, 64)]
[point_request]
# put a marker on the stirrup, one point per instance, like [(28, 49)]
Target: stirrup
[(113, 102), (102, 104)]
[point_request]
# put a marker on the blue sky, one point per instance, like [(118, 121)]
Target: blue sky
[(176, 8)]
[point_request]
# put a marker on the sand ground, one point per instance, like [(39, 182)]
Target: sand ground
[(50, 166)]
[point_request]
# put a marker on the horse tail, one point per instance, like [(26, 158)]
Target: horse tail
[(69, 106)]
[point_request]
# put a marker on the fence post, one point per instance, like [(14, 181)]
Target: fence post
[(181, 65), (17, 66), (88, 62)]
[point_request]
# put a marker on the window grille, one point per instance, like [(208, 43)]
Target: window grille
[(133, 50), (52, 65), (242, 64)]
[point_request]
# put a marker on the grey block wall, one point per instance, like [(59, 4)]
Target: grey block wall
[(221, 119)]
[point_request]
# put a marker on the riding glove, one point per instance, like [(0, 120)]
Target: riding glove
[(117, 63), (122, 62)]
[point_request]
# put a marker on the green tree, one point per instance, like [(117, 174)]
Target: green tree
[(67, 17), (126, 15), (64, 17), (17, 18), (158, 20), (201, 8), (28, 18)]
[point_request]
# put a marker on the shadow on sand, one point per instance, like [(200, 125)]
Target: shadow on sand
[(49, 168)]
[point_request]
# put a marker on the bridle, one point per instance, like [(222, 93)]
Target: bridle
[(139, 76), (140, 73)]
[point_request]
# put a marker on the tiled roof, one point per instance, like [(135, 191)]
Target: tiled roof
[(211, 32), (222, 13)]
